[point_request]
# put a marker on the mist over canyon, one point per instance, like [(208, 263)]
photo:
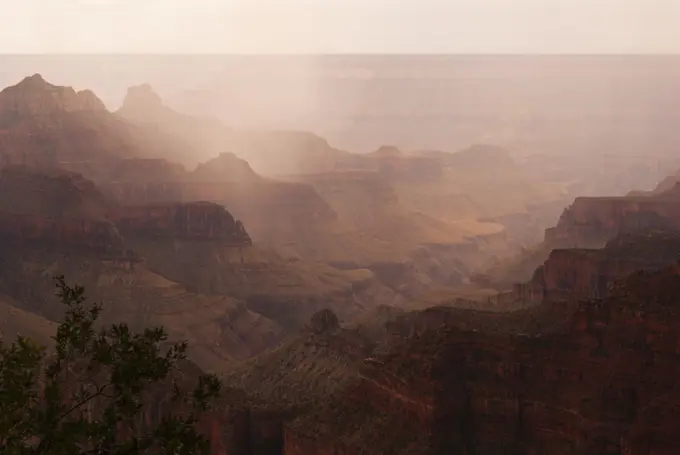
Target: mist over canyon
[(376, 255)]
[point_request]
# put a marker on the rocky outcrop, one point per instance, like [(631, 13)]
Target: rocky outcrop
[(324, 321), (590, 222), (142, 103), (66, 211), (70, 235), (241, 430), (51, 193), (605, 385), (33, 96), (578, 273), (57, 210), (279, 214), (203, 221), (593, 221), (226, 167), (45, 125), (305, 371)]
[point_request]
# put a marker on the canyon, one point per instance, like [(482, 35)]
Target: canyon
[(297, 271), (163, 263), (603, 385)]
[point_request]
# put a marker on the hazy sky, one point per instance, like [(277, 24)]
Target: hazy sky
[(329, 26)]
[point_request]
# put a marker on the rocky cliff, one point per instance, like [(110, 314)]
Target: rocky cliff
[(196, 249), (65, 211), (55, 222), (45, 125), (34, 96), (604, 385), (100, 238), (51, 193), (289, 216), (196, 221), (592, 221), (59, 211), (577, 273)]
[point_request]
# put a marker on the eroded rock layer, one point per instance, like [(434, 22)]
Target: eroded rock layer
[(197, 221), (590, 222), (605, 385)]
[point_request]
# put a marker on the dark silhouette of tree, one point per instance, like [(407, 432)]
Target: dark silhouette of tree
[(89, 395)]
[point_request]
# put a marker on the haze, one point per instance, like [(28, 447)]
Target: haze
[(334, 26)]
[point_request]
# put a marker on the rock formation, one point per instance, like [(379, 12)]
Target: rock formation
[(226, 167), (51, 193), (65, 210), (57, 210), (196, 221), (34, 96), (324, 321), (590, 222), (574, 274), (307, 369), (141, 103), (269, 152), (45, 125), (593, 221), (602, 386)]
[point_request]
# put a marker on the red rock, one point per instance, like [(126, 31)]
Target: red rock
[(590, 222), (196, 221), (606, 385), (67, 211), (593, 221), (573, 274)]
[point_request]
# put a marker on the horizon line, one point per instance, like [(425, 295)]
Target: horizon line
[(340, 54)]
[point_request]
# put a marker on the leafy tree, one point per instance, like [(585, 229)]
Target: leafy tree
[(94, 392)]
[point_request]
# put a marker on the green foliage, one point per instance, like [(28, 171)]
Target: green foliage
[(102, 390)]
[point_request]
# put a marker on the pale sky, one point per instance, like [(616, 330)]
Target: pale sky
[(340, 26)]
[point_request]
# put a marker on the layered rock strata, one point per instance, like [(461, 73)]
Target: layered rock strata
[(603, 386), (196, 221)]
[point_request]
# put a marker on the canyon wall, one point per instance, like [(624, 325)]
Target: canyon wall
[(577, 273), (64, 209), (293, 206), (604, 386), (69, 235), (195, 221), (34, 96), (591, 221)]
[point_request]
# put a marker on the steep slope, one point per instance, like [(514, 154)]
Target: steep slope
[(53, 126), (306, 370), (188, 265), (85, 244), (50, 193), (589, 222), (292, 218), (17, 322), (602, 386)]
